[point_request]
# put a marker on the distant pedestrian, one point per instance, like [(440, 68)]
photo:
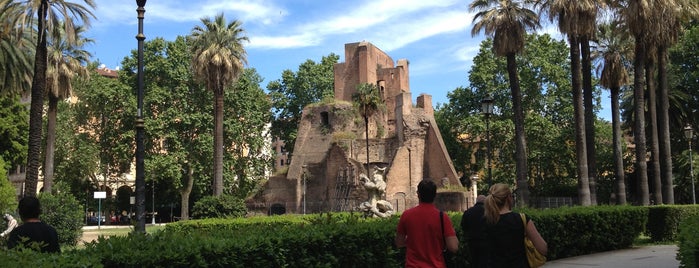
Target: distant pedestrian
[(473, 224), (11, 224), (33, 233), (421, 231), (505, 230)]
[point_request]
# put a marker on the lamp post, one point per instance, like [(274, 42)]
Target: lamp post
[(487, 110), (140, 174), (689, 134)]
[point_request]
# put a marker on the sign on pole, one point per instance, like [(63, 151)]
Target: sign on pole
[(99, 196)]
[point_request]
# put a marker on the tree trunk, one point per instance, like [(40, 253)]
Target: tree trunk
[(579, 114), (50, 143), (639, 137), (590, 118), (652, 126), (37, 104), (218, 143), (618, 153), (520, 138), (185, 192), (664, 129)]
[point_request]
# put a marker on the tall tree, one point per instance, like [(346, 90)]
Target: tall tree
[(65, 61), (669, 14), (576, 19), (367, 102), (507, 21), (49, 14), (650, 70), (218, 59), (613, 51), (637, 15), (16, 49)]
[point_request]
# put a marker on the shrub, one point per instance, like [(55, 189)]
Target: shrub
[(65, 214), (224, 206), (8, 195), (664, 220), (688, 242)]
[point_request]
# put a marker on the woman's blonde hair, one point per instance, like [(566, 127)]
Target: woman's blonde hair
[(496, 200)]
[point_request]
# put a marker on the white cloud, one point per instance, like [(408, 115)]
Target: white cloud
[(264, 12)]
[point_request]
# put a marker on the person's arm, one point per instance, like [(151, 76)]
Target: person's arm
[(452, 243), (535, 237), (400, 240)]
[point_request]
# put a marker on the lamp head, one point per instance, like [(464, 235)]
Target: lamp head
[(487, 105), (141, 3), (688, 131)]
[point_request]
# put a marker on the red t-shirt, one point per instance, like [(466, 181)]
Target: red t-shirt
[(424, 243)]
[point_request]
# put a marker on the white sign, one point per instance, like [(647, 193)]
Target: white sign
[(100, 195)]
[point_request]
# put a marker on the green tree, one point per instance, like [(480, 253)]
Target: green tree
[(577, 21), (311, 83), (613, 52), (637, 15), (367, 102), (15, 49), (507, 23), (218, 58), (48, 15), (545, 76), (65, 62), (13, 130), (247, 122), (670, 15)]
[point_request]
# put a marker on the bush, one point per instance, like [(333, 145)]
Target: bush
[(65, 214), (8, 194), (664, 220), (688, 242), (224, 206)]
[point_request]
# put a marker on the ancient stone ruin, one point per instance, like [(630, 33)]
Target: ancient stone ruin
[(328, 170)]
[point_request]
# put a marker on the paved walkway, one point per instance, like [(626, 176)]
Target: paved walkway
[(662, 256)]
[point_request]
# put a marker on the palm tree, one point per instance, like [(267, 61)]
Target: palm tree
[(49, 15), (637, 15), (218, 59), (669, 15), (15, 50), (614, 50), (65, 60), (367, 101), (576, 19), (507, 22)]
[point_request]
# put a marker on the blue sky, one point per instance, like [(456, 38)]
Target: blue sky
[(433, 35)]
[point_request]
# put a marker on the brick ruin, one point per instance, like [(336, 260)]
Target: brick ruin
[(330, 151)]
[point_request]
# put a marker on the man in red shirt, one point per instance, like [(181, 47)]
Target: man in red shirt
[(420, 230)]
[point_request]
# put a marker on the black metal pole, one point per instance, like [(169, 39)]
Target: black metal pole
[(490, 158), (140, 174)]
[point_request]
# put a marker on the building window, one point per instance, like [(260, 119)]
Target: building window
[(325, 119)]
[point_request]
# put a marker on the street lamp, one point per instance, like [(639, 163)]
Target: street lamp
[(689, 134), (140, 173), (487, 110)]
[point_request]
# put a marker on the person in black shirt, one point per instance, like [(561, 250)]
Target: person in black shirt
[(33, 233), (505, 230), (472, 224)]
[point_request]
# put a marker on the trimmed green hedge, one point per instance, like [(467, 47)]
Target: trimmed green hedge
[(688, 242), (573, 231), (332, 240), (664, 221)]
